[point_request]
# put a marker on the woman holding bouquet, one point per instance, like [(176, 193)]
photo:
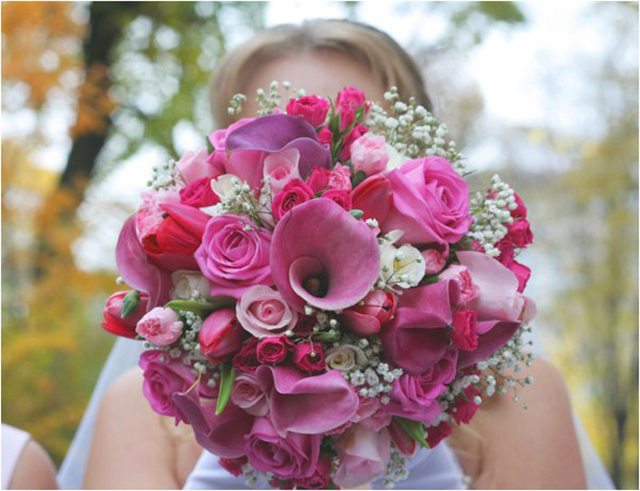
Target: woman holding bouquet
[(504, 446)]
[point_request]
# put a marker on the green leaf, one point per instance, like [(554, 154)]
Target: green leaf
[(327, 336), (200, 308), (357, 214), (358, 178), (227, 375), (130, 303), (413, 429)]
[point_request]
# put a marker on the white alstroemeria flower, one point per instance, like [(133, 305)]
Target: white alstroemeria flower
[(224, 186), (187, 284), (396, 159), (213, 211), (345, 357), (401, 266)]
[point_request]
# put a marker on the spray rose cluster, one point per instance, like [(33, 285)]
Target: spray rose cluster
[(314, 303)]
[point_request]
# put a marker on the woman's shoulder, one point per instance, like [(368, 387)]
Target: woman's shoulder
[(531, 442), (34, 469)]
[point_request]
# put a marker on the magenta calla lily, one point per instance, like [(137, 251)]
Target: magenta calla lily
[(249, 145), (307, 405), (323, 256)]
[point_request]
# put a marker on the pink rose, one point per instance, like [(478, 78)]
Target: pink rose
[(369, 154), (349, 100), (461, 275), (113, 320), (368, 316), (374, 196), (465, 334), (311, 108), (464, 408), (295, 456), (519, 233), (521, 210), (233, 466), (233, 258), (248, 394), (434, 261), (435, 434), (343, 198), (293, 194), (325, 136), (151, 215), (274, 350), (506, 257), (319, 479), (309, 357), (430, 202), (263, 312), (199, 194), (281, 168), (246, 360), (164, 376), (220, 335), (415, 396), (160, 326), (193, 166), (355, 134), (363, 453)]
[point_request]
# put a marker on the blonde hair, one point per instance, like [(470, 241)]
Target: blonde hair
[(388, 62)]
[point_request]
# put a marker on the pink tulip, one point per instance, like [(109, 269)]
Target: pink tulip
[(363, 454), (220, 335)]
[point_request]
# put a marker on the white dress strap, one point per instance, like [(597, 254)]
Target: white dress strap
[(13, 444)]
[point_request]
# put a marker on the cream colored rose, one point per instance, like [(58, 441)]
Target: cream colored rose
[(345, 357)]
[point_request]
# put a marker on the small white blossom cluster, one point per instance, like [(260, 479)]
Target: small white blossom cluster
[(237, 198), (454, 390), (413, 131), (491, 212), (270, 100), (235, 104), (397, 469), (326, 322), (511, 356), (252, 476), (163, 176)]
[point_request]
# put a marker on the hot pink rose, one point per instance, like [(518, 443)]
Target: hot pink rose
[(160, 326), (233, 466), (415, 396), (434, 261), (246, 360), (193, 166), (295, 456), (113, 320), (349, 100), (164, 376), (311, 108), (519, 233), (363, 454), (325, 136), (349, 139), (369, 154), (430, 202), (263, 312), (435, 434), (461, 275), (233, 258), (248, 394), (343, 198), (309, 357), (281, 168), (220, 335), (293, 194), (274, 350), (367, 317), (463, 408), (199, 194), (465, 334)]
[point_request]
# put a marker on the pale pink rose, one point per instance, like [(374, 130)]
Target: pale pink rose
[(434, 261), (340, 178), (364, 453), (151, 215), (160, 326), (248, 394), (263, 312), (194, 165), (460, 274), (281, 168), (369, 154)]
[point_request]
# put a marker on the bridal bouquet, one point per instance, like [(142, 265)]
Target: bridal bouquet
[(321, 293)]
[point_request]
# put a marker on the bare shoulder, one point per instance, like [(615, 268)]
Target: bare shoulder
[(126, 429), (530, 444), (35, 469)]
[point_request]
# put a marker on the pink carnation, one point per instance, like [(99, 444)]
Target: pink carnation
[(160, 326)]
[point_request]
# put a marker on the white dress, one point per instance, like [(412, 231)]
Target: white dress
[(13, 443)]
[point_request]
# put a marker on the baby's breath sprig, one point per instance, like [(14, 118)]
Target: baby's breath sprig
[(397, 469), (413, 131), (163, 176), (235, 104)]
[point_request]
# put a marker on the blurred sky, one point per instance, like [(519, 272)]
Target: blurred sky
[(510, 68)]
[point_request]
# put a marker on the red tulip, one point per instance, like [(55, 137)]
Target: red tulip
[(113, 320)]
